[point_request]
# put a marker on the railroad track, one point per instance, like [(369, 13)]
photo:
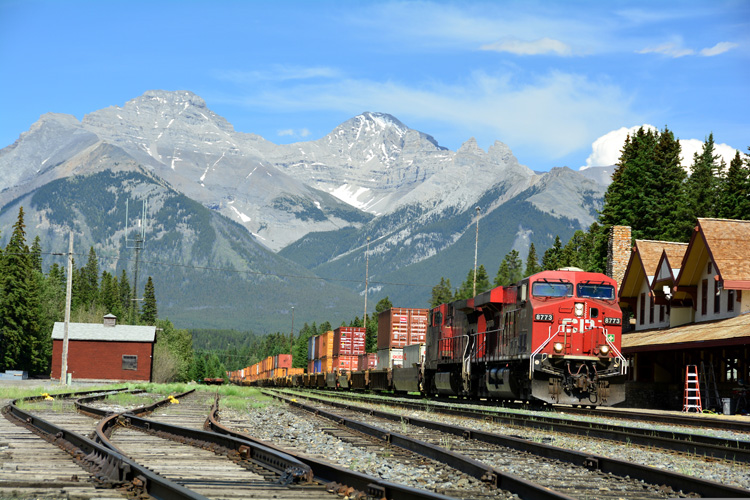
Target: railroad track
[(735, 448), (584, 461)]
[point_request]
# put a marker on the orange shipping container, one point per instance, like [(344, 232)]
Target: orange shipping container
[(325, 345), (346, 362)]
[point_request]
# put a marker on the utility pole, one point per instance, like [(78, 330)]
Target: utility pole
[(476, 246), (68, 297), (136, 243), (291, 335), (367, 275)]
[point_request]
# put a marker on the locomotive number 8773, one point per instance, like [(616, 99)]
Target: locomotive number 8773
[(554, 337)]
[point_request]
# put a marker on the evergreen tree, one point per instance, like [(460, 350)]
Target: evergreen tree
[(629, 199), (148, 311), (90, 280), (532, 262), (442, 293), (109, 295), (36, 255), (371, 334), (511, 269), (21, 344), (467, 287), (734, 190), (668, 190), (700, 189), (575, 251), (125, 298), (552, 256)]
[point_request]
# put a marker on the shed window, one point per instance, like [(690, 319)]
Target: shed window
[(129, 362)]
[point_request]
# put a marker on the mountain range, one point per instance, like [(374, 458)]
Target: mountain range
[(240, 229)]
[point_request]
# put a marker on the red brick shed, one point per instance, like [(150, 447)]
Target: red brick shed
[(105, 351)]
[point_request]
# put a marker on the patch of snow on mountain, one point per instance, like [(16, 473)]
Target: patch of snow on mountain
[(243, 217), (350, 194)]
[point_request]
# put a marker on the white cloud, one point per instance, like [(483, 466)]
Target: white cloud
[(670, 49), (279, 73), (524, 48), (719, 48), (292, 133), (556, 113), (606, 150)]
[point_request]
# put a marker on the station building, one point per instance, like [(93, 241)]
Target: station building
[(688, 308), (105, 351)]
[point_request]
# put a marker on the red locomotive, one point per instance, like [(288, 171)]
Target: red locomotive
[(554, 336)]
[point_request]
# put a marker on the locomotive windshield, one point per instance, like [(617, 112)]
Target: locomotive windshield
[(552, 289), (595, 291)]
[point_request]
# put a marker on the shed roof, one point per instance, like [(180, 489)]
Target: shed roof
[(99, 332), (732, 331)]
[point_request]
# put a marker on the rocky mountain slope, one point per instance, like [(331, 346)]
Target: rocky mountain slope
[(315, 203)]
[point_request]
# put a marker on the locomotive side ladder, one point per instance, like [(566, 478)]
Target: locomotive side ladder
[(692, 390)]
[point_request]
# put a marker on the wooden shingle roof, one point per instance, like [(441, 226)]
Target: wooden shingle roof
[(727, 244)]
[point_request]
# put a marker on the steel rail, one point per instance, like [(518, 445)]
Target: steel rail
[(590, 461), (721, 448), (474, 468), (274, 460), (337, 477), (701, 420), (109, 467)]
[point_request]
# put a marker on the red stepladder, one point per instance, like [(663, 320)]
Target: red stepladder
[(692, 399)]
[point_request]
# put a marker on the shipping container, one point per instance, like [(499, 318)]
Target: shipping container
[(348, 340), (400, 326), (413, 355), (325, 345), (282, 361), (311, 366), (367, 361), (390, 358), (345, 362)]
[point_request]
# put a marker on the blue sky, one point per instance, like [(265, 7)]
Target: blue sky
[(546, 78)]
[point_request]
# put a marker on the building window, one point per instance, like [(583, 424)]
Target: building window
[(129, 362), (661, 314), (730, 300), (642, 312), (704, 297), (717, 298), (710, 267), (650, 308)]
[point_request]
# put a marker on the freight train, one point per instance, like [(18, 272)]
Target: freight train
[(553, 337)]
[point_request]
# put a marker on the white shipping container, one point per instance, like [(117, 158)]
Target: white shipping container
[(390, 358), (414, 355)]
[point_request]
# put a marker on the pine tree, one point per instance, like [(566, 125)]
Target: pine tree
[(148, 311), (511, 269), (552, 256), (441, 293), (668, 190), (734, 190), (701, 188), (532, 262), (109, 295), (467, 287), (125, 298), (90, 279), (36, 255), (21, 344)]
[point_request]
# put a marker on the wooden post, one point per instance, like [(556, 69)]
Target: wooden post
[(68, 296)]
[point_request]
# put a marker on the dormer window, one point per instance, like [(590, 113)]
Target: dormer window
[(710, 267)]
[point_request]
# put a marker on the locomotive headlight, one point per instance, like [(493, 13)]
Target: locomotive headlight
[(579, 309), (558, 347), (604, 349)]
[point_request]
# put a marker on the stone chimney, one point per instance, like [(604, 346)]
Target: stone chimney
[(618, 252), (110, 320)]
